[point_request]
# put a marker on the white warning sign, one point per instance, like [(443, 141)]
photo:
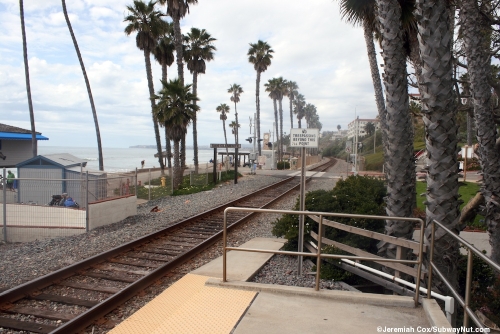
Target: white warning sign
[(304, 138)]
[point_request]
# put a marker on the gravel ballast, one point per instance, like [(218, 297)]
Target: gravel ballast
[(22, 262)]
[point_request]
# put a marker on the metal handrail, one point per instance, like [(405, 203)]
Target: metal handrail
[(318, 254), (470, 249)]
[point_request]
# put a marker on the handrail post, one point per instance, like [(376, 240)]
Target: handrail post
[(87, 210), (467, 287), (429, 280), (136, 182), (318, 252), (4, 204), (420, 260), (224, 244)]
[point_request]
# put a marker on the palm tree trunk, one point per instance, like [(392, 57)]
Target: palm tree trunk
[(439, 116), (377, 84), (195, 131), (236, 137), (153, 107), (257, 101), (183, 152), (281, 128), (300, 123), (168, 150), (178, 49), (177, 167), (34, 145), (291, 111), (87, 83), (400, 164), (276, 124), (236, 133), (477, 36), (225, 139), (470, 133), (168, 147), (180, 74)]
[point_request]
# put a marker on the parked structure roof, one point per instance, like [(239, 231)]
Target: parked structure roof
[(64, 160), (9, 132)]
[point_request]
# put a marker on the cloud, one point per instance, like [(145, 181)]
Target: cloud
[(325, 56)]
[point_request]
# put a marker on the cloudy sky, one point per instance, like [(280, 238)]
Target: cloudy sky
[(313, 47)]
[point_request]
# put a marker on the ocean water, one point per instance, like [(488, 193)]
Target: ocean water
[(122, 159)]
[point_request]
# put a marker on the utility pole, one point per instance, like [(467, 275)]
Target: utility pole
[(254, 132), (272, 148), (355, 144)]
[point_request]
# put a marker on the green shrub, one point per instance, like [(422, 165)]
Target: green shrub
[(283, 165), (186, 188), (485, 287), (472, 163), (466, 191), (355, 195)]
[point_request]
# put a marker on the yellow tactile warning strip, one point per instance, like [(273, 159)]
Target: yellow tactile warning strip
[(188, 306)]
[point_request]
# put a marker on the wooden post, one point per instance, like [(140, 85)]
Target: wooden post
[(465, 163), (215, 165)]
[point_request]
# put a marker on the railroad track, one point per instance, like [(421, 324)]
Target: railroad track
[(72, 298)]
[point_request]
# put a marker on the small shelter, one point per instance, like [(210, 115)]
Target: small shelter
[(15, 145), (54, 174)]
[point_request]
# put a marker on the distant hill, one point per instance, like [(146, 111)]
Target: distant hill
[(201, 147), (143, 146)]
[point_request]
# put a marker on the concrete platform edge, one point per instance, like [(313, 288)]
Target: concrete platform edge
[(434, 313), (342, 296)]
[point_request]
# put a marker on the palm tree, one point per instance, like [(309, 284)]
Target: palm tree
[(87, 83), (234, 129), (199, 49), (282, 86), (176, 110), (260, 55), (235, 90), (28, 86), (300, 104), (164, 54), (370, 128), (148, 24), (364, 13), (291, 91), (275, 93), (310, 112), (177, 9), (476, 32), (439, 114), (400, 164), (224, 110), (312, 118)]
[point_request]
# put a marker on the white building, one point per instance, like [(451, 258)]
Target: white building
[(360, 124), (339, 134)]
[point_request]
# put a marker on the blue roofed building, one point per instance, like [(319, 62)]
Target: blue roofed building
[(15, 145)]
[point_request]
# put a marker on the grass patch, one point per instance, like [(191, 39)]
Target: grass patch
[(185, 188), (374, 161), (418, 145), (157, 191), (467, 190)]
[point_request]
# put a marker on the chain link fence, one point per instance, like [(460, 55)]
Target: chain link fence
[(152, 185), (39, 208)]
